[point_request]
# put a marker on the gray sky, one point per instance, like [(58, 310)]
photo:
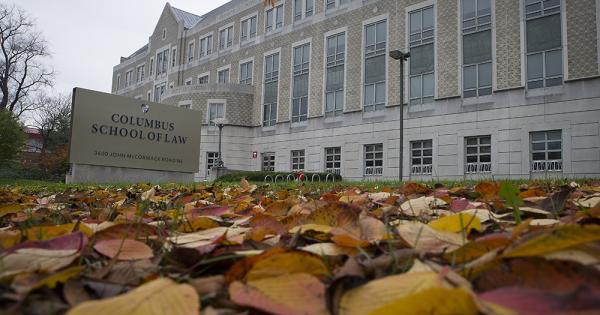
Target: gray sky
[(87, 37)]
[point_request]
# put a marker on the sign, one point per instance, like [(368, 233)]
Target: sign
[(254, 154), (111, 130)]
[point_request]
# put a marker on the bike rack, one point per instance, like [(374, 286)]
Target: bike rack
[(267, 177), (312, 179), (332, 178), (287, 178), (278, 175)]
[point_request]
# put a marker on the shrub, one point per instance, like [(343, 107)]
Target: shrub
[(259, 176), (12, 137)]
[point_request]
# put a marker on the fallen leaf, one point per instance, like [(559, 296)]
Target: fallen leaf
[(287, 263), (457, 223), (553, 240), (329, 249), (155, 297), (285, 295), (426, 239), (36, 260), (447, 301), (126, 249), (421, 206), (378, 293)]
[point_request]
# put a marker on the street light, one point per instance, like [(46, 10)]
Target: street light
[(220, 122), (399, 55)]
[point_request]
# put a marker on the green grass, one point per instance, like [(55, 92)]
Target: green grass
[(46, 186)]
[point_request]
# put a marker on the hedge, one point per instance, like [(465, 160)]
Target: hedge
[(259, 176)]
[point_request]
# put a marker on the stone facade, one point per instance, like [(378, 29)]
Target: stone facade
[(509, 115)]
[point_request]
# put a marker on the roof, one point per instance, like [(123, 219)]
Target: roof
[(188, 19), (139, 51)]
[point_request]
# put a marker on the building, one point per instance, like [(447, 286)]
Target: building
[(494, 88)]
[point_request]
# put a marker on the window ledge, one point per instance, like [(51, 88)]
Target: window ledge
[(226, 49), (334, 119), (374, 114), (248, 41), (300, 124), (421, 108), (273, 32), (268, 128), (303, 20), (555, 90), (479, 100)]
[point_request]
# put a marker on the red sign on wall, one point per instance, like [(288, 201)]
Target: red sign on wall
[(254, 154)]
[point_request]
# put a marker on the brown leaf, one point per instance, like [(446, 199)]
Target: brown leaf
[(125, 249)]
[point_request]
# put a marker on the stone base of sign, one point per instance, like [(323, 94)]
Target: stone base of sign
[(217, 172), (82, 173)]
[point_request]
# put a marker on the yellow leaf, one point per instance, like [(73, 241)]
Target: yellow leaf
[(440, 301), (556, 239), (424, 238), (9, 238), (198, 223), (286, 295), (161, 296), (36, 260), (9, 209), (377, 293), (43, 233), (457, 223), (288, 263), (311, 227), (61, 277)]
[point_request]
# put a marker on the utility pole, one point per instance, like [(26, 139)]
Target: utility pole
[(399, 55)]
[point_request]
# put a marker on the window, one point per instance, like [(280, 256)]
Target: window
[(164, 34), (215, 110), (139, 73), (375, 66), (187, 106), (203, 79), (162, 62), (191, 51), (212, 160), (330, 4), (151, 66), (477, 47), (478, 154), (226, 37), (300, 83), (188, 81), (333, 160), (274, 18), (159, 90), (246, 70), (248, 29), (118, 81), (421, 157), (223, 76), (421, 56), (206, 46), (149, 96), (297, 160), (270, 94), (334, 86), (546, 151), (174, 57), (128, 78), (268, 162), (544, 43), (373, 159), (303, 9)]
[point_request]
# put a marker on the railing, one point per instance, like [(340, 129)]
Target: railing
[(267, 178), (335, 171), (546, 166), (374, 171), (474, 168), (421, 169), (332, 177), (312, 179)]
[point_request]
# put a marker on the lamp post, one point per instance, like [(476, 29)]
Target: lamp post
[(399, 55), (220, 122)]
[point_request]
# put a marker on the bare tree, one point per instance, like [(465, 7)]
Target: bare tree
[(22, 73), (53, 120)]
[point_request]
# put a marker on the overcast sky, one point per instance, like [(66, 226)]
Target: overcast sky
[(87, 37)]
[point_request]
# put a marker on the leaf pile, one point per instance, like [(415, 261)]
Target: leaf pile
[(493, 248)]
